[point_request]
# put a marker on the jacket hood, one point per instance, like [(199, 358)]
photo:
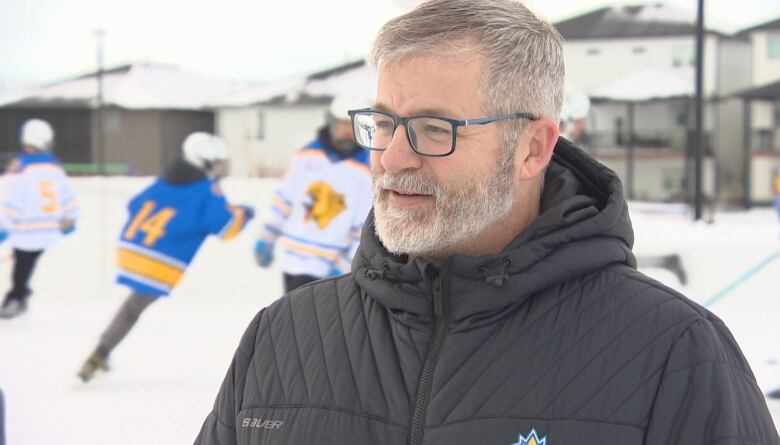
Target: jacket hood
[(583, 226)]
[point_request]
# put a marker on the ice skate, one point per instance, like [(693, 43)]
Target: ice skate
[(95, 362), (13, 307), (674, 264)]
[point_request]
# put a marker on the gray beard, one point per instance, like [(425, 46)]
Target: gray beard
[(462, 210)]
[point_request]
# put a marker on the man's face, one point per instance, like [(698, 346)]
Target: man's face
[(342, 136), (429, 206)]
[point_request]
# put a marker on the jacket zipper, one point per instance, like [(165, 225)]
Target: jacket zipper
[(441, 327)]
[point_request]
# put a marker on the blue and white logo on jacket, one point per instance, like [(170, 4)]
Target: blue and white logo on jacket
[(531, 439)]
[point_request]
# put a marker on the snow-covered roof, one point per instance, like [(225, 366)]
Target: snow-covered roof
[(645, 20), (140, 86), (354, 78), (647, 84)]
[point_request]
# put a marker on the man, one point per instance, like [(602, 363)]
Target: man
[(318, 211), (494, 297), (168, 222), (39, 208)]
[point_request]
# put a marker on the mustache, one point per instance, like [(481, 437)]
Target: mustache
[(409, 182)]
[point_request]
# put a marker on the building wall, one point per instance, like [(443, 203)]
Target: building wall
[(762, 168), (661, 177), (145, 141), (590, 63), (765, 69), (262, 139), (72, 140)]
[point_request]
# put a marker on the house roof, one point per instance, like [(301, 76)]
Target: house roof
[(770, 91), (647, 84), (136, 86), (651, 20), (766, 26), (354, 78)]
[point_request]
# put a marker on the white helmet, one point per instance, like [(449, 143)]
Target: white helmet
[(37, 133), (576, 105), (342, 103), (204, 150)]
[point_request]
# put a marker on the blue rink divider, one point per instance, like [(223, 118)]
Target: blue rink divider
[(743, 278)]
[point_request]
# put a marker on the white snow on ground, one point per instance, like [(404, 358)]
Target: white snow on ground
[(167, 372)]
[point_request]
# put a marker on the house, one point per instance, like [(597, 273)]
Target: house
[(265, 124), (146, 112), (762, 110), (643, 49)]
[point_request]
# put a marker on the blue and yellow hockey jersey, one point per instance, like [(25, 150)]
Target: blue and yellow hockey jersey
[(167, 224)]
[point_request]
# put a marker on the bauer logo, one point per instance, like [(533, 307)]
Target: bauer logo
[(531, 439), (266, 424)]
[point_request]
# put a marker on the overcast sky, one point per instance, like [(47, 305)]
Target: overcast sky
[(45, 40)]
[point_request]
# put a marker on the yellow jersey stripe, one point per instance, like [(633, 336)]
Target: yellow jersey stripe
[(238, 222), (309, 250), (148, 267)]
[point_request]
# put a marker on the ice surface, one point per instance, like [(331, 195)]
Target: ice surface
[(167, 372)]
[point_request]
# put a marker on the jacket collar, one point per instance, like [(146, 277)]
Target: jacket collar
[(583, 226)]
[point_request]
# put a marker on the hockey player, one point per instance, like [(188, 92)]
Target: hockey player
[(576, 106), (39, 207), (574, 114), (317, 213), (168, 221)]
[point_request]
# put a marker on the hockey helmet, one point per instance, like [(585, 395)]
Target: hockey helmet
[(205, 151), (37, 133)]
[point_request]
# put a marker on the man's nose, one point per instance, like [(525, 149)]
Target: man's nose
[(399, 155)]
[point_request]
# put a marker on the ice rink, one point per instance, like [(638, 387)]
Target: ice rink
[(166, 373)]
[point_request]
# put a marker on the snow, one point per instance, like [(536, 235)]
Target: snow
[(166, 373), (143, 86), (359, 81), (647, 84)]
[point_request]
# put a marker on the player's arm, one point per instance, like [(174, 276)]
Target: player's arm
[(224, 219)]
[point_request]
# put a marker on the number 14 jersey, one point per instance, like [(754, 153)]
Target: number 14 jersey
[(167, 224)]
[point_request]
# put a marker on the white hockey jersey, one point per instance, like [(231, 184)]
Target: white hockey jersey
[(317, 213), (38, 198)]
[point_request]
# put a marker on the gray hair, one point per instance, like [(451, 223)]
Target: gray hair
[(523, 54)]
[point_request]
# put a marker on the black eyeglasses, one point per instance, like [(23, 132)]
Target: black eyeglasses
[(428, 135)]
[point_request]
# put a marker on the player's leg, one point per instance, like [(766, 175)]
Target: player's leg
[(15, 301), (122, 323)]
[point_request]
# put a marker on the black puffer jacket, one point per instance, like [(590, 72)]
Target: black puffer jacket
[(557, 340)]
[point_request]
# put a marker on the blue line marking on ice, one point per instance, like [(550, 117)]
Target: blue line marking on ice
[(745, 276)]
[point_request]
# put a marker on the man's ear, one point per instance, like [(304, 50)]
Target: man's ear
[(539, 141)]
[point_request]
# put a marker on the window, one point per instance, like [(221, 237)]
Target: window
[(683, 56), (254, 125), (638, 50), (594, 51), (777, 114), (773, 47)]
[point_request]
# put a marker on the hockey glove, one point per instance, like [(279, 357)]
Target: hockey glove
[(67, 226), (264, 253), (249, 212)]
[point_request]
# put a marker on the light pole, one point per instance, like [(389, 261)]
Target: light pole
[(699, 137), (99, 137)]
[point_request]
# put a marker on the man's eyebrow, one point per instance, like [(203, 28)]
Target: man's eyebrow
[(439, 112)]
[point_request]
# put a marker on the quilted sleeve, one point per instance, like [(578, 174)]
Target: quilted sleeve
[(708, 394), (219, 428)]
